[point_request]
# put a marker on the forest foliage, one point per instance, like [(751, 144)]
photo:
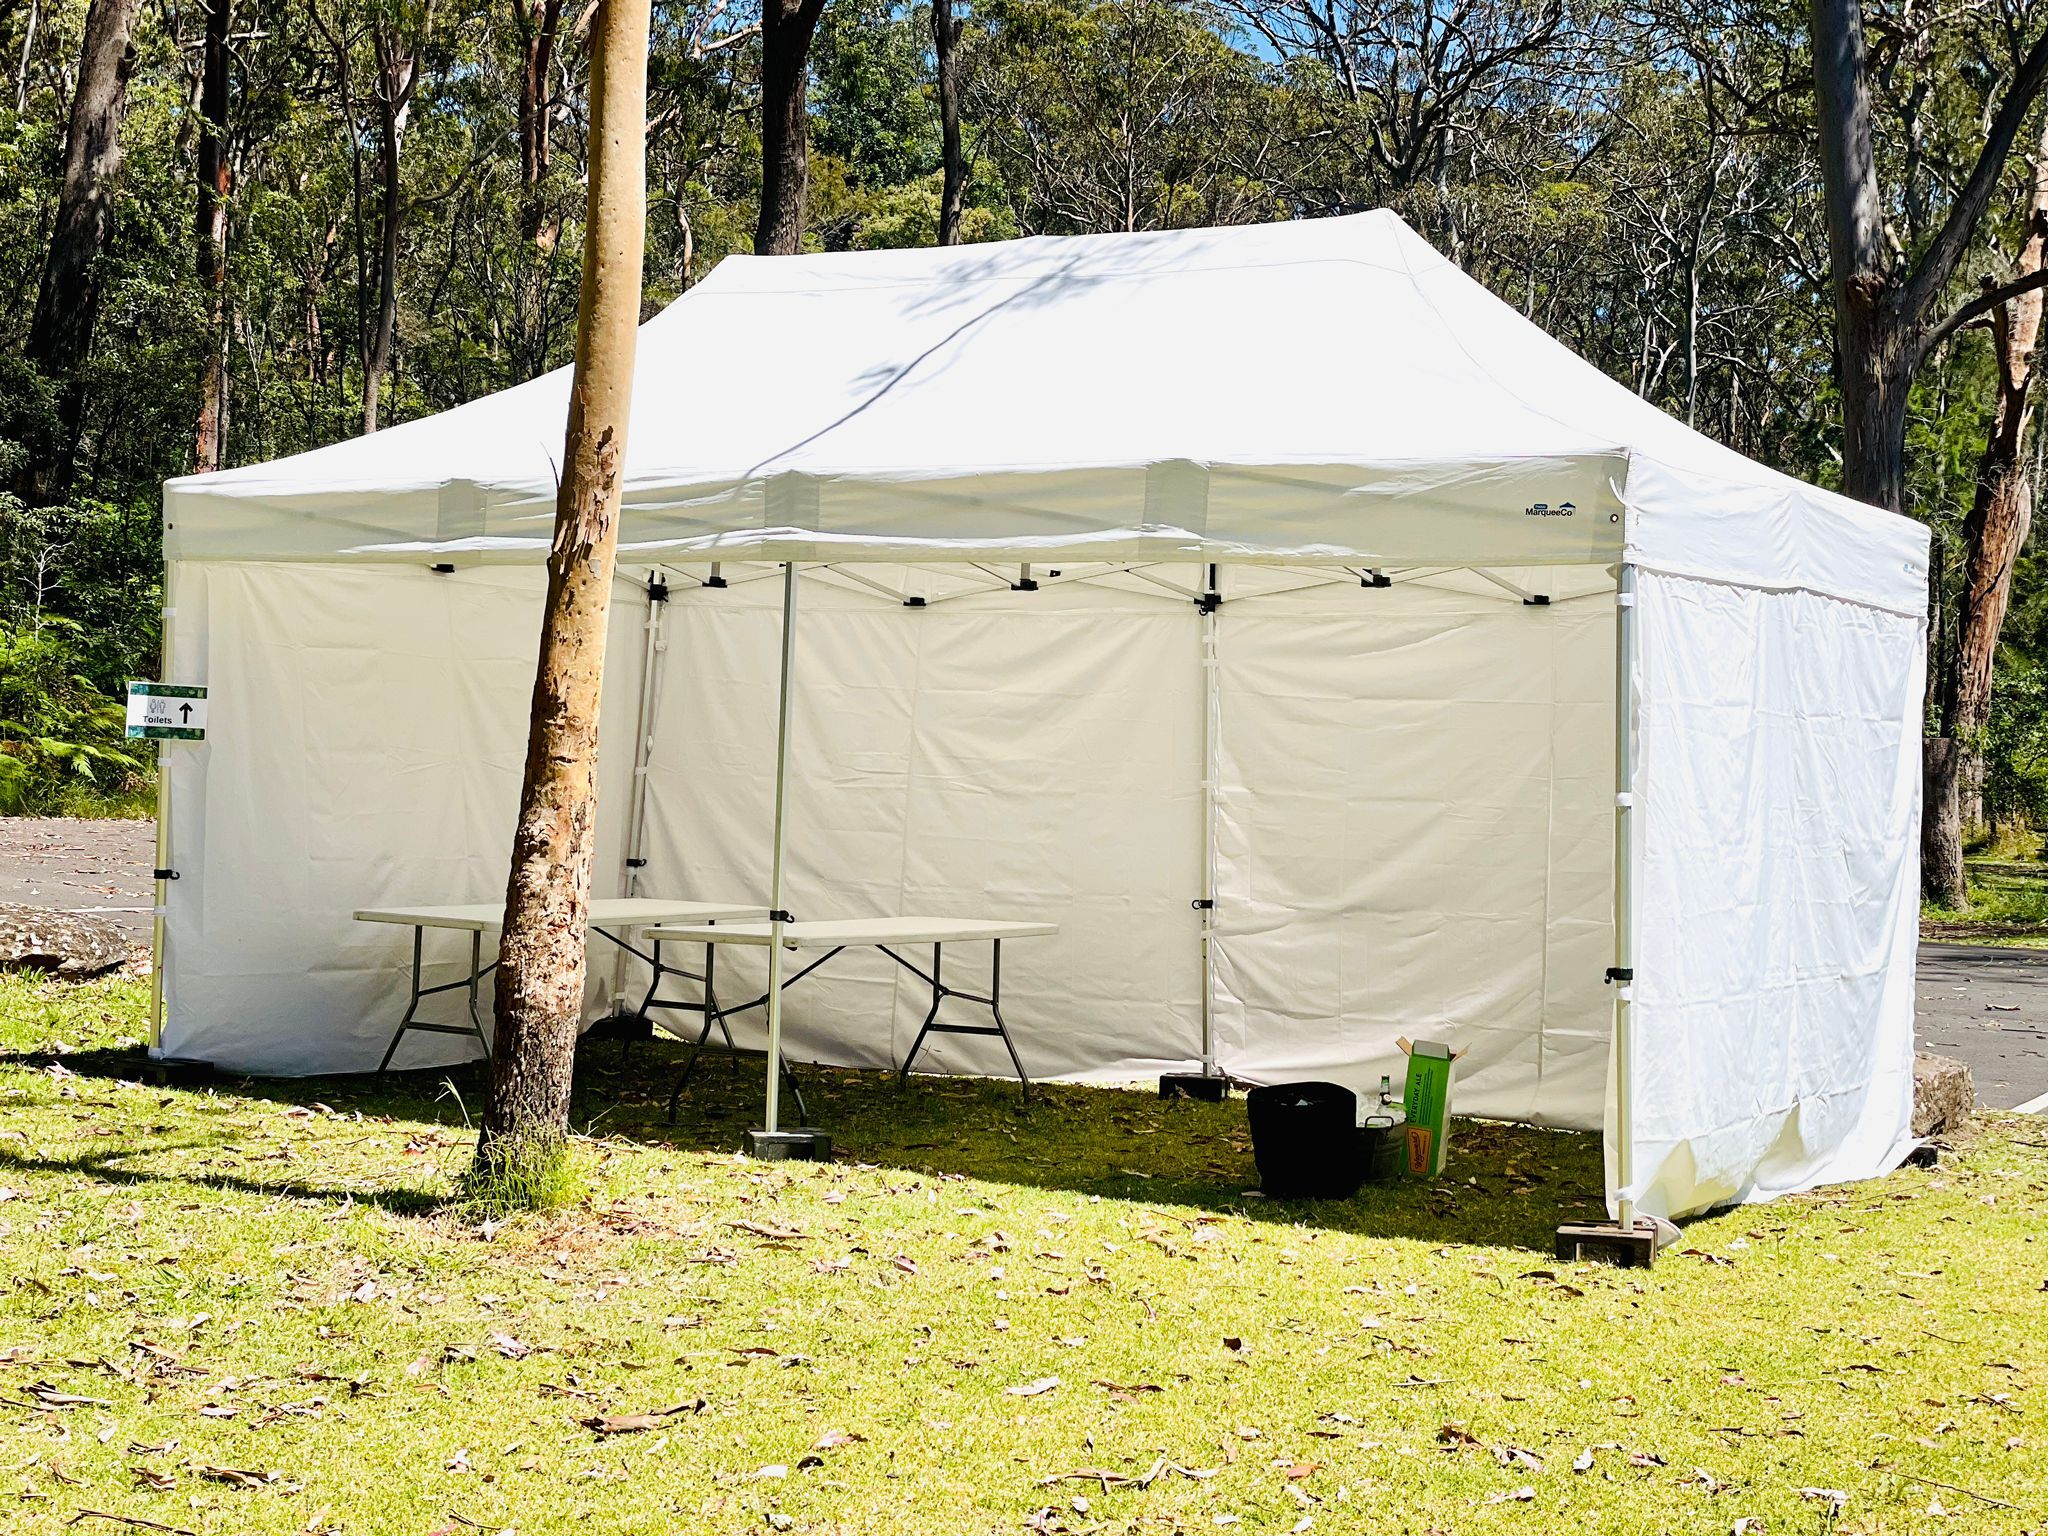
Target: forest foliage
[(402, 184)]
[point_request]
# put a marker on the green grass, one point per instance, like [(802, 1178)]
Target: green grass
[(2008, 904), (254, 1309)]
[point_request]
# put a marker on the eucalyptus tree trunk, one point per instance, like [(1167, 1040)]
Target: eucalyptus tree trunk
[(398, 67), (946, 30), (1996, 529), (547, 900), (1873, 348), (1886, 325), (68, 298), (210, 235), (787, 27)]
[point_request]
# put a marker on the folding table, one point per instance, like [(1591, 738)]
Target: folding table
[(609, 917), (833, 936)]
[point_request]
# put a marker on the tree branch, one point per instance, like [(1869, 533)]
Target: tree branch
[(1938, 265), (1982, 305)]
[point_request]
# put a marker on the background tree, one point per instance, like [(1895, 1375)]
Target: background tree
[(946, 33), (1889, 300), (210, 235), (787, 27), (68, 299)]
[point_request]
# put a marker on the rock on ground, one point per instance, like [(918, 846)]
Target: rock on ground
[(1943, 1094), (67, 944)]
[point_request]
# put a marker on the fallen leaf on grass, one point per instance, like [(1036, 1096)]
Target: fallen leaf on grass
[(1522, 1495), (239, 1477), (153, 1480), (1160, 1468), (1830, 1496), (1037, 1388), (832, 1439), (1302, 1470), (51, 1397), (768, 1232), (1120, 1389), (509, 1347), (634, 1423), (135, 1520)]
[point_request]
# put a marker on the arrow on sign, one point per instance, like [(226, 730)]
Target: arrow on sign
[(185, 712)]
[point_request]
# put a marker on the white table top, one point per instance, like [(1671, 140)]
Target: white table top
[(852, 932), (605, 912)]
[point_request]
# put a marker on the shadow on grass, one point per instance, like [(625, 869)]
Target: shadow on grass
[(1507, 1186), (111, 1168)]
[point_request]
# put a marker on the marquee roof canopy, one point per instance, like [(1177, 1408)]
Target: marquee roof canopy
[(1327, 391)]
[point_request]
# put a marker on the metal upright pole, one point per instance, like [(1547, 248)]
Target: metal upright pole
[(643, 759), (163, 841), (776, 915), (1623, 974), (1210, 744), (643, 732)]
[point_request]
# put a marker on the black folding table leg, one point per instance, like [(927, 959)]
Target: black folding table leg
[(995, 1008), (916, 1045), (476, 960), (418, 936), (732, 1051)]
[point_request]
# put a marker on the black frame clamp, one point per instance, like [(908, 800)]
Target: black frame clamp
[(636, 863), (1204, 903), (164, 874), (1621, 973), (657, 589), (780, 917)]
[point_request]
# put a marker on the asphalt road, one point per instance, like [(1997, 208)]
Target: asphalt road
[(1985, 1005), (80, 866), (1988, 1007)]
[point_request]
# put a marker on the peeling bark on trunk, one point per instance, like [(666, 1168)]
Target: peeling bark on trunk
[(68, 299), (787, 27), (541, 959), (210, 234), (1993, 535), (946, 30)]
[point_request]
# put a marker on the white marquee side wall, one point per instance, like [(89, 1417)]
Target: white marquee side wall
[(1414, 819), (366, 735), (1777, 891)]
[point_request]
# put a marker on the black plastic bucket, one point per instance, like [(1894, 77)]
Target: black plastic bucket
[(1307, 1142)]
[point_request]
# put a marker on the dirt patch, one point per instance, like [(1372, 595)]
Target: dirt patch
[(1977, 933)]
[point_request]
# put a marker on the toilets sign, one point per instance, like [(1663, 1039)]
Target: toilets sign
[(166, 712)]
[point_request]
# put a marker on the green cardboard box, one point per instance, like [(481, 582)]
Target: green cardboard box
[(1427, 1100)]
